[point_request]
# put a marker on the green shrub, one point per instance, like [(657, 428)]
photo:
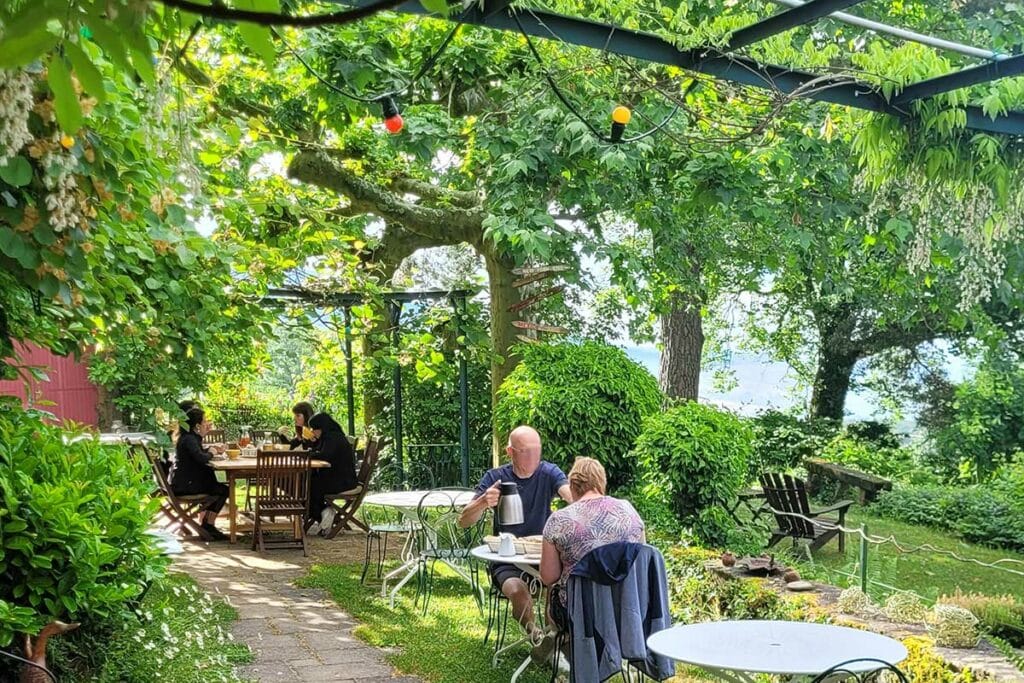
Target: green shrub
[(702, 454), (178, 633), (782, 442), (975, 513), (652, 502), (585, 400), (73, 520), (230, 405), (983, 424), (883, 461)]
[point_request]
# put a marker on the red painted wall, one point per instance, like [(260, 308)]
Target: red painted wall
[(74, 397)]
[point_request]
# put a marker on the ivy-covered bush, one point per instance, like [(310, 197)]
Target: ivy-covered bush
[(975, 513), (585, 400), (782, 442), (73, 520), (702, 454)]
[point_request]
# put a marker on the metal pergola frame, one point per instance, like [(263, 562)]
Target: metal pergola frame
[(729, 66), (394, 302)]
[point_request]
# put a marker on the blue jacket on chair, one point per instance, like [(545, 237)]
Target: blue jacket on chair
[(617, 596)]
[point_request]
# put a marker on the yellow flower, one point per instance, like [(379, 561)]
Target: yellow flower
[(66, 141)]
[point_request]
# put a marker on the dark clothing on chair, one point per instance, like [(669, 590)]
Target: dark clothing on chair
[(191, 473), (617, 598), (334, 447)]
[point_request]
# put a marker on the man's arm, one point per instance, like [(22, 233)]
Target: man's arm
[(472, 513)]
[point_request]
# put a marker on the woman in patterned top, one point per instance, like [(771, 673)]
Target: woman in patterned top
[(592, 520)]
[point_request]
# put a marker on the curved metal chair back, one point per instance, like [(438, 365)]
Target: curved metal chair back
[(841, 673), (438, 513), (32, 665)]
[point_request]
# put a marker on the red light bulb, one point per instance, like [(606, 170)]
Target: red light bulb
[(394, 124), (392, 119)]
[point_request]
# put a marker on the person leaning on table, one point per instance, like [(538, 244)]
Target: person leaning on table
[(331, 445), (191, 473), (539, 483), (593, 520)]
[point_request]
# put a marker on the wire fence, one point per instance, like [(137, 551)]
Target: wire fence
[(1006, 564)]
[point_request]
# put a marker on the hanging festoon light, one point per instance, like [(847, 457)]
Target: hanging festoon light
[(392, 119), (620, 117)]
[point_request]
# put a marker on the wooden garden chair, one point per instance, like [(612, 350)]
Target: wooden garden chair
[(180, 511), (281, 490), (787, 498), (346, 503)]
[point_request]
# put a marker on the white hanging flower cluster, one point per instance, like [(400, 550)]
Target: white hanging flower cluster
[(973, 216), (15, 104), (61, 200)]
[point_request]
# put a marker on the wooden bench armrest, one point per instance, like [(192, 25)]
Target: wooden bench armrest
[(842, 506)]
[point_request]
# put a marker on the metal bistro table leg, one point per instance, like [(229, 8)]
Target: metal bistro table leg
[(731, 676), (232, 508)]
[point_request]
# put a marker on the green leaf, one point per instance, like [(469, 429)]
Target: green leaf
[(65, 101), (259, 41), (113, 47), (18, 51), (88, 75), (17, 172), (438, 6), (142, 56)]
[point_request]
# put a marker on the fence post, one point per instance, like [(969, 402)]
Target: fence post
[(864, 557)]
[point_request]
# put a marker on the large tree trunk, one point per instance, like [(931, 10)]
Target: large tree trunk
[(832, 381), (502, 295), (682, 329), (682, 337)]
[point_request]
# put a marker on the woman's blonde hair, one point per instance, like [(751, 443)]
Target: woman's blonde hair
[(586, 475)]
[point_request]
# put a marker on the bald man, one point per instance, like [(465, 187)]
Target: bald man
[(539, 483)]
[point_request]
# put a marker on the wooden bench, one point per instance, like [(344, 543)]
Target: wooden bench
[(869, 485)]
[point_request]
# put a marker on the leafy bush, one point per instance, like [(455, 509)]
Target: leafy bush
[(230, 405), (983, 424), (883, 461), (873, 432), (976, 513), (652, 502), (177, 633), (73, 520), (585, 400), (782, 442), (702, 454)]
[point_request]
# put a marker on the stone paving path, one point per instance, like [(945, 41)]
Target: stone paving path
[(296, 634)]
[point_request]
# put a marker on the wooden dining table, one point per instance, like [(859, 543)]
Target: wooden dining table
[(245, 468)]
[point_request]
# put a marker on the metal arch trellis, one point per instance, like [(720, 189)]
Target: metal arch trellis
[(725, 64), (394, 302)]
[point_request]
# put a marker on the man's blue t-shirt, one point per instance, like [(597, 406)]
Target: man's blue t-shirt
[(536, 492)]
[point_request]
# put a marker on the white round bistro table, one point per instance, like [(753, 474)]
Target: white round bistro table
[(407, 503), (734, 650), (530, 566)]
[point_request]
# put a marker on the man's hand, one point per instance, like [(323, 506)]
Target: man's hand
[(492, 494)]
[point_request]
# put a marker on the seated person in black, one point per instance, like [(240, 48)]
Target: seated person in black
[(333, 446), (191, 473), (303, 414)]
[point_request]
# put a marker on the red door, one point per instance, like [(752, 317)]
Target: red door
[(68, 393)]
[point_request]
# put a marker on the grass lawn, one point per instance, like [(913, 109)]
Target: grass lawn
[(445, 646), (926, 573)]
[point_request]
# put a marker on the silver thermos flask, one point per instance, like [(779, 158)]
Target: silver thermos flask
[(510, 505)]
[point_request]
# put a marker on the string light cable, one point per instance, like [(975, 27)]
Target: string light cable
[(620, 116), (392, 117)]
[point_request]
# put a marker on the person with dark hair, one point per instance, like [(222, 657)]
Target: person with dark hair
[(303, 414), (333, 446), (191, 473)]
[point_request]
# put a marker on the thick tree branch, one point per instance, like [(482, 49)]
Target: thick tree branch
[(447, 226), (464, 199), (218, 11)]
